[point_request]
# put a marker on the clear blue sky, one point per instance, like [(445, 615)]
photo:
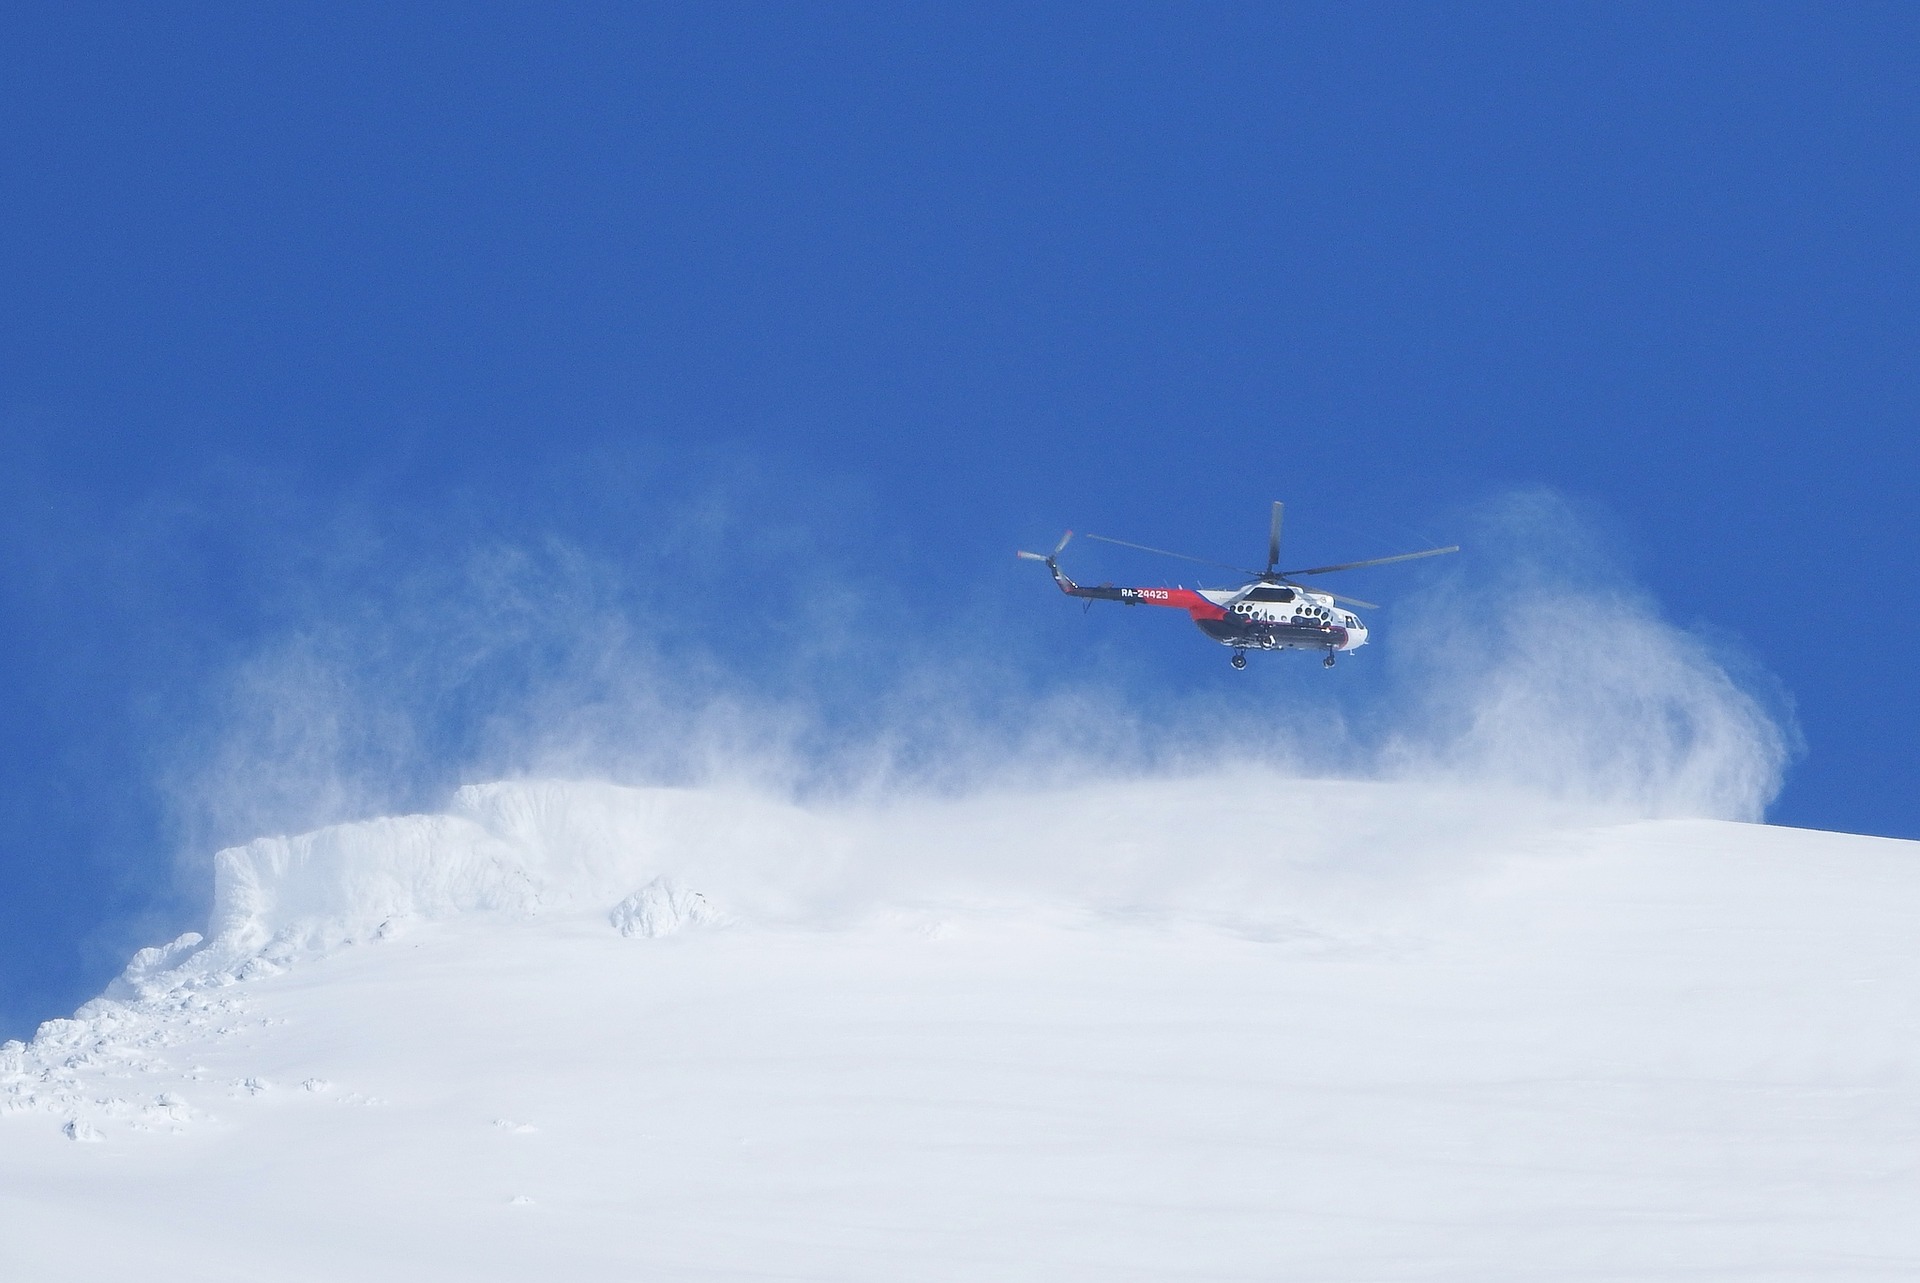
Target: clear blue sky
[(300, 299)]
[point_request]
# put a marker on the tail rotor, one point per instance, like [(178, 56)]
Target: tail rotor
[(1047, 557)]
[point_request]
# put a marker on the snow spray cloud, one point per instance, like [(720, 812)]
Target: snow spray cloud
[(1537, 666), (505, 661), (1533, 669), (513, 661)]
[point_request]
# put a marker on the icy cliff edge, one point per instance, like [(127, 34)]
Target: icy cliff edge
[(519, 848)]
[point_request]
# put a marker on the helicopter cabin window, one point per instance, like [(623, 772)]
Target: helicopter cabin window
[(1270, 594)]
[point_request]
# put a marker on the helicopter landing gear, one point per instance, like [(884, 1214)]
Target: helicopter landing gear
[(1328, 661), (1239, 660)]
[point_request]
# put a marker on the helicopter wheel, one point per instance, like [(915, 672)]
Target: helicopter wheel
[(1328, 662), (1239, 660)]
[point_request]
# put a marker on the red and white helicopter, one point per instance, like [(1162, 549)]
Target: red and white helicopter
[(1270, 613)]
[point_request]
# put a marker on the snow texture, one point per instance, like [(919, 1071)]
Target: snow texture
[(1229, 1026), (661, 908)]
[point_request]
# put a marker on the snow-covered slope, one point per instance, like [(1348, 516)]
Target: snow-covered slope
[(1212, 1028)]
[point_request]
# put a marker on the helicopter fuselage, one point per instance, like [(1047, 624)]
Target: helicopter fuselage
[(1260, 617)]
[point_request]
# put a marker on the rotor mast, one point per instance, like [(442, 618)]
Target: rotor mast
[(1273, 543)]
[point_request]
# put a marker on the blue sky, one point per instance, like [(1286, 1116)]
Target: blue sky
[(317, 313)]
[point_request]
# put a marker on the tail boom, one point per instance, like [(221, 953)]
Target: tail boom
[(1174, 598)]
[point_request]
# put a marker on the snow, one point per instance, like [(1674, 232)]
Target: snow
[(1232, 1026), (661, 908)]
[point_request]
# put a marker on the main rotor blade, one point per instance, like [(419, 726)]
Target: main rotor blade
[(1377, 561), (1273, 537), (1140, 547)]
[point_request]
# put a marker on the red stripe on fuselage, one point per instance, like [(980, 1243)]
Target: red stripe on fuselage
[(1192, 602), (1176, 598)]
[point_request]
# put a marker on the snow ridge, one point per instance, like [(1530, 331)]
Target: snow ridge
[(656, 860), (513, 849), (516, 849)]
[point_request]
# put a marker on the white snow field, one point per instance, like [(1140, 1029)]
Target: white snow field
[(1223, 1027)]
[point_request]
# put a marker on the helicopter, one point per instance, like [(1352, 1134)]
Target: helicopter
[(1270, 612)]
